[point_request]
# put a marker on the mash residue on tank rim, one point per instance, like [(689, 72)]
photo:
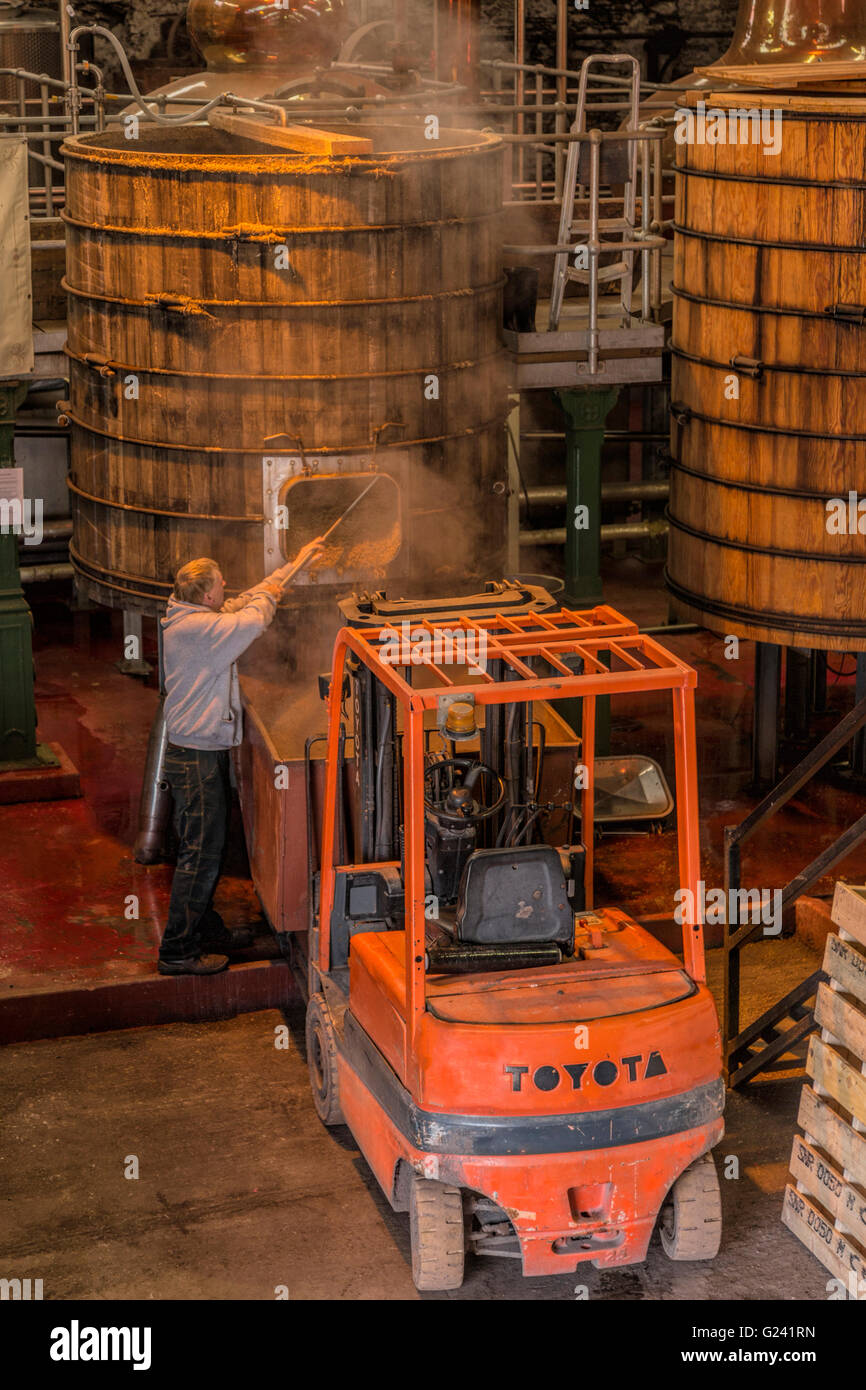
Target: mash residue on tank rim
[(95, 148)]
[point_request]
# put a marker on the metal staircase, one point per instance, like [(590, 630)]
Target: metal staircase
[(593, 163)]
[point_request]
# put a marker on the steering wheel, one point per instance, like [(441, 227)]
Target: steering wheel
[(455, 804)]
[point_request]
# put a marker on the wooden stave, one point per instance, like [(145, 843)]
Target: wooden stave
[(776, 524), (750, 211), (780, 400), (774, 338), (727, 270), (202, 195), (729, 620), (827, 144), (752, 583), (756, 459), (252, 410), (257, 341), (327, 266)]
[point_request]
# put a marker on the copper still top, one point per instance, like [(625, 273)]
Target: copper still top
[(792, 31), (288, 35)]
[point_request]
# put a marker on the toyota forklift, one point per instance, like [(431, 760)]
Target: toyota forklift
[(527, 1072)]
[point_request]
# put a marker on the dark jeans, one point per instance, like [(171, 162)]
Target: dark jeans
[(199, 782)]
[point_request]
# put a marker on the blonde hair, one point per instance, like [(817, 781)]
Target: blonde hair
[(193, 581)]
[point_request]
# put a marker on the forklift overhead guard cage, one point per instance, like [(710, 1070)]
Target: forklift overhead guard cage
[(589, 635)]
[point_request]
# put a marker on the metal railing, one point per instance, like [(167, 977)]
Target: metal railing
[(762, 1044), (40, 112), (535, 106)]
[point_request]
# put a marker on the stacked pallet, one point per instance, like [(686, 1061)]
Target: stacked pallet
[(825, 1206)]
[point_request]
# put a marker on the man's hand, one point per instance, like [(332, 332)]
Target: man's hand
[(306, 556)]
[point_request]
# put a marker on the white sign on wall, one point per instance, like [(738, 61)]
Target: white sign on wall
[(16, 320)]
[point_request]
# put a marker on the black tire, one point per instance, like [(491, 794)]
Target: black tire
[(437, 1233), (691, 1218), (322, 1061)]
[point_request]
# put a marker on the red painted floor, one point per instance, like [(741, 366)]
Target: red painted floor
[(68, 871)]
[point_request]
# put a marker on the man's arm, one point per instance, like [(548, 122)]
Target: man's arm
[(232, 633), (275, 584), (267, 586)]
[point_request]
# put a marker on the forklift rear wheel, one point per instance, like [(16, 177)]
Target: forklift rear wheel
[(691, 1219), (437, 1234), (322, 1061)]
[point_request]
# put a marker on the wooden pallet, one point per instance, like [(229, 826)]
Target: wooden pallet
[(825, 1204)]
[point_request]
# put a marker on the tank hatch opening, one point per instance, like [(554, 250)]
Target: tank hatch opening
[(362, 524)]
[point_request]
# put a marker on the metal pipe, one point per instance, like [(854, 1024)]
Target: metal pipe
[(593, 246), (149, 111), (46, 160), (561, 80), (539, 130), (12, 118), (52, 531), (645, 255), (617, 531), (657, 225), (48, 191), (629, 435), (65, 18), (519, 52), (603, 137), (670, 630), (495, 63), (45, 574), (553, 496), (155, 804)]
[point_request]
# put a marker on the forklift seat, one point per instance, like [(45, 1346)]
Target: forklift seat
[(515, 896)]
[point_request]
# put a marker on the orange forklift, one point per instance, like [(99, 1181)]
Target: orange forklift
[(528, 1073)]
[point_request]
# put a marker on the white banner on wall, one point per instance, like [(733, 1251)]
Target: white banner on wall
[(16, 320)]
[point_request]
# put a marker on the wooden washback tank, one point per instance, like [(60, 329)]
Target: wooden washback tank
[(240, 317), (770, 289)]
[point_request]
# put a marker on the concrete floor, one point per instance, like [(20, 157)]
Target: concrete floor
[(242, 1190)]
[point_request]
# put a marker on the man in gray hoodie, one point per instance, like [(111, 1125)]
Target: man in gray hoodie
[(203, 637)]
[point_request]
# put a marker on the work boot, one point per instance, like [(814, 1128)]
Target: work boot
[(194, 965), (214, 935), (229, 939)]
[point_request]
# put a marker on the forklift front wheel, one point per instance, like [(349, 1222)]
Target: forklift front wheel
[(437, 1233), (322, 1061), (691, 1219)]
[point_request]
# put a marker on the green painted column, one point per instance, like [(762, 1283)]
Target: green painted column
[(586, 412), (585, 416), (18, 748)]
